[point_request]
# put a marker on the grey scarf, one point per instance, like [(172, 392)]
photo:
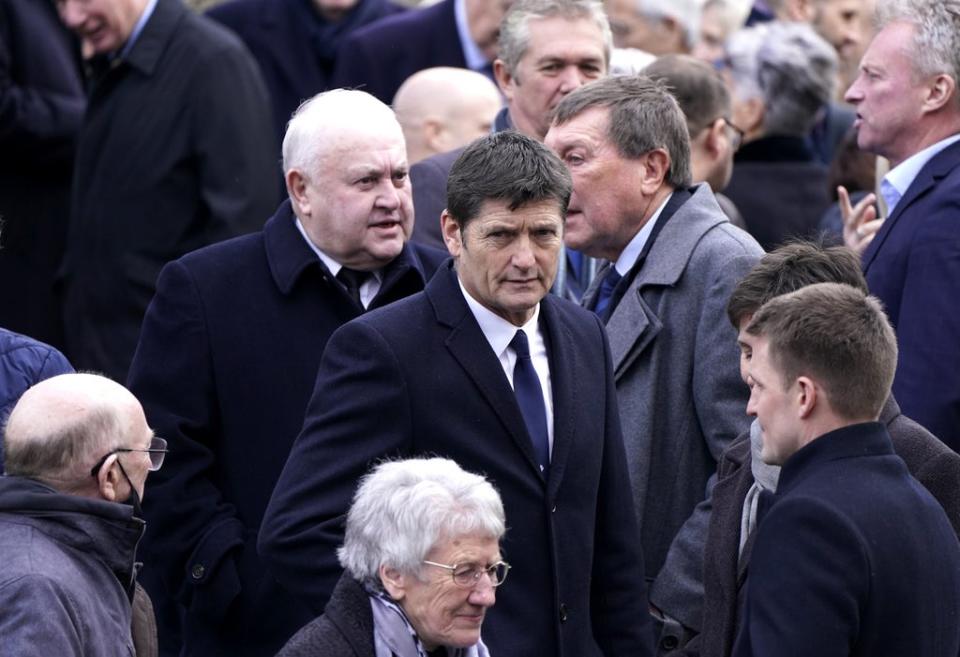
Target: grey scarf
[(765, 477), (394, 636)]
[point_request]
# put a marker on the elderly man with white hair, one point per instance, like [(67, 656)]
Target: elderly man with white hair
[(229, 351), (78, 451), (782, 75), (422, 559), (658, 27)]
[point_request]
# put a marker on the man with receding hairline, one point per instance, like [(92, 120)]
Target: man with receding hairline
[(78, 451), (228, 355)]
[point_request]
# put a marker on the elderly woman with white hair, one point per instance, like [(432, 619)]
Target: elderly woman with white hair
[(782, 77), (422, 559)]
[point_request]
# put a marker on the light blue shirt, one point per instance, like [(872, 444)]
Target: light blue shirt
[(138, 28), (476, 60), (895, 184), (630, 254)]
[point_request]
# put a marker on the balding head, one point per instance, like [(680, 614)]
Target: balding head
[(444, 108), (62, 426)]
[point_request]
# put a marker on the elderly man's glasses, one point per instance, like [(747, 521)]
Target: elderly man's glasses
[(468, 575), (157, 451), (737, 140)]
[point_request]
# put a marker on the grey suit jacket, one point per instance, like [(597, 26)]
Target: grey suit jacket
[(676, 366)]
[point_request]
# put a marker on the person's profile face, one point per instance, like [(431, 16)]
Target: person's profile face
[(507, 259), (771, 402), (103, 26), (357, 207)]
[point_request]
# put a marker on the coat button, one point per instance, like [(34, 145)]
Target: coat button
[(554, 509), (563, 613), (197, 571), (669, 643)]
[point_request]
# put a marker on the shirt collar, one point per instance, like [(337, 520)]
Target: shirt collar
[(498, 331), (331, 264), (138, 28), (630, 254), (472, 54), (899, 178)]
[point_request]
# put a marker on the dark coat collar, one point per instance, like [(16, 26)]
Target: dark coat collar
[(775, 148), (856, 440), (156, 34), (289, 255)]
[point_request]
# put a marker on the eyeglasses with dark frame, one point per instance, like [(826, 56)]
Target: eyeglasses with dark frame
[(157, 451), (739, 134), (467, 575)]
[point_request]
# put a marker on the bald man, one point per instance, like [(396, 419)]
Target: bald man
[(78, 450), (228, 357), (444, 108)]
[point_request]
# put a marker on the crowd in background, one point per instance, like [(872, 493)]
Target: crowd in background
[(618, 297)]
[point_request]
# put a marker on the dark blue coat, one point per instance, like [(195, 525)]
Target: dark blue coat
[(913, 266), (175, 153), (419, 378), (378, 58), (24, 362), (225, 366), (295, 48), (854, 558)]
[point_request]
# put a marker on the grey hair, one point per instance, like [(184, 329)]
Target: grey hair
[(317, 118), (402, 509), (644, 116), (936, 41), (65, 451), (790, 67), (515, 26), (685, 12)]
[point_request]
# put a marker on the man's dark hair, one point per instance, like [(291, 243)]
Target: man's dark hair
[(643, 116), (696, 85), (789, 268), (505, 166)]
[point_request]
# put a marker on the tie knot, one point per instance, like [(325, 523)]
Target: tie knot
[(520, 344), (611, 279), (352, 278)]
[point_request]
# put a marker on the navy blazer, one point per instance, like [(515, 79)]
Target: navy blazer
[(226, 363), (913, 266), (293, 46), (379, 57), (419, 378), (854, 558)]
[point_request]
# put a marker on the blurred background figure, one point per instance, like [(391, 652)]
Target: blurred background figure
[(41, 106), (422, 561), (444, 108), (718, 20), (461, 33), (781, 74), (705, 102), (295, 42), (655, 26)]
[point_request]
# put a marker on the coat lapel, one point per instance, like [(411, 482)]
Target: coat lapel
[(469, 347), (564, 361)]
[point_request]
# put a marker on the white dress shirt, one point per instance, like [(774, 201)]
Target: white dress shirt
[(629, 255), (370, 286), (499, 332), (895, 184)]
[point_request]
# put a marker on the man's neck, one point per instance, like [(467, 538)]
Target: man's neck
[(934, 132)]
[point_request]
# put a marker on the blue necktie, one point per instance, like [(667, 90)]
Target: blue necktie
[(526, 385), (607, 286)]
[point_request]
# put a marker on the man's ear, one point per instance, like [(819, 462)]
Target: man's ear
[(452, 236), (807, 397), (297, 189), (503, 78), (714, 139), (435, 135), (654, 168), (942, 91), (109, 480), (394, 582), (799, 10)]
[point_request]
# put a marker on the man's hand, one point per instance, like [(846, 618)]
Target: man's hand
[(860, 223)]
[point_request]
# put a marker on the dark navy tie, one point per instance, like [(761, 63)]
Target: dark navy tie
[(352, 280), (607, 286), (526, 385)]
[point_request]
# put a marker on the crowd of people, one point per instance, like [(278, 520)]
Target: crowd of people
[(649, 304)]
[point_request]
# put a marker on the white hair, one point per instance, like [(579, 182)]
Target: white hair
[(402, 509), (685, 12), (314, 124)]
